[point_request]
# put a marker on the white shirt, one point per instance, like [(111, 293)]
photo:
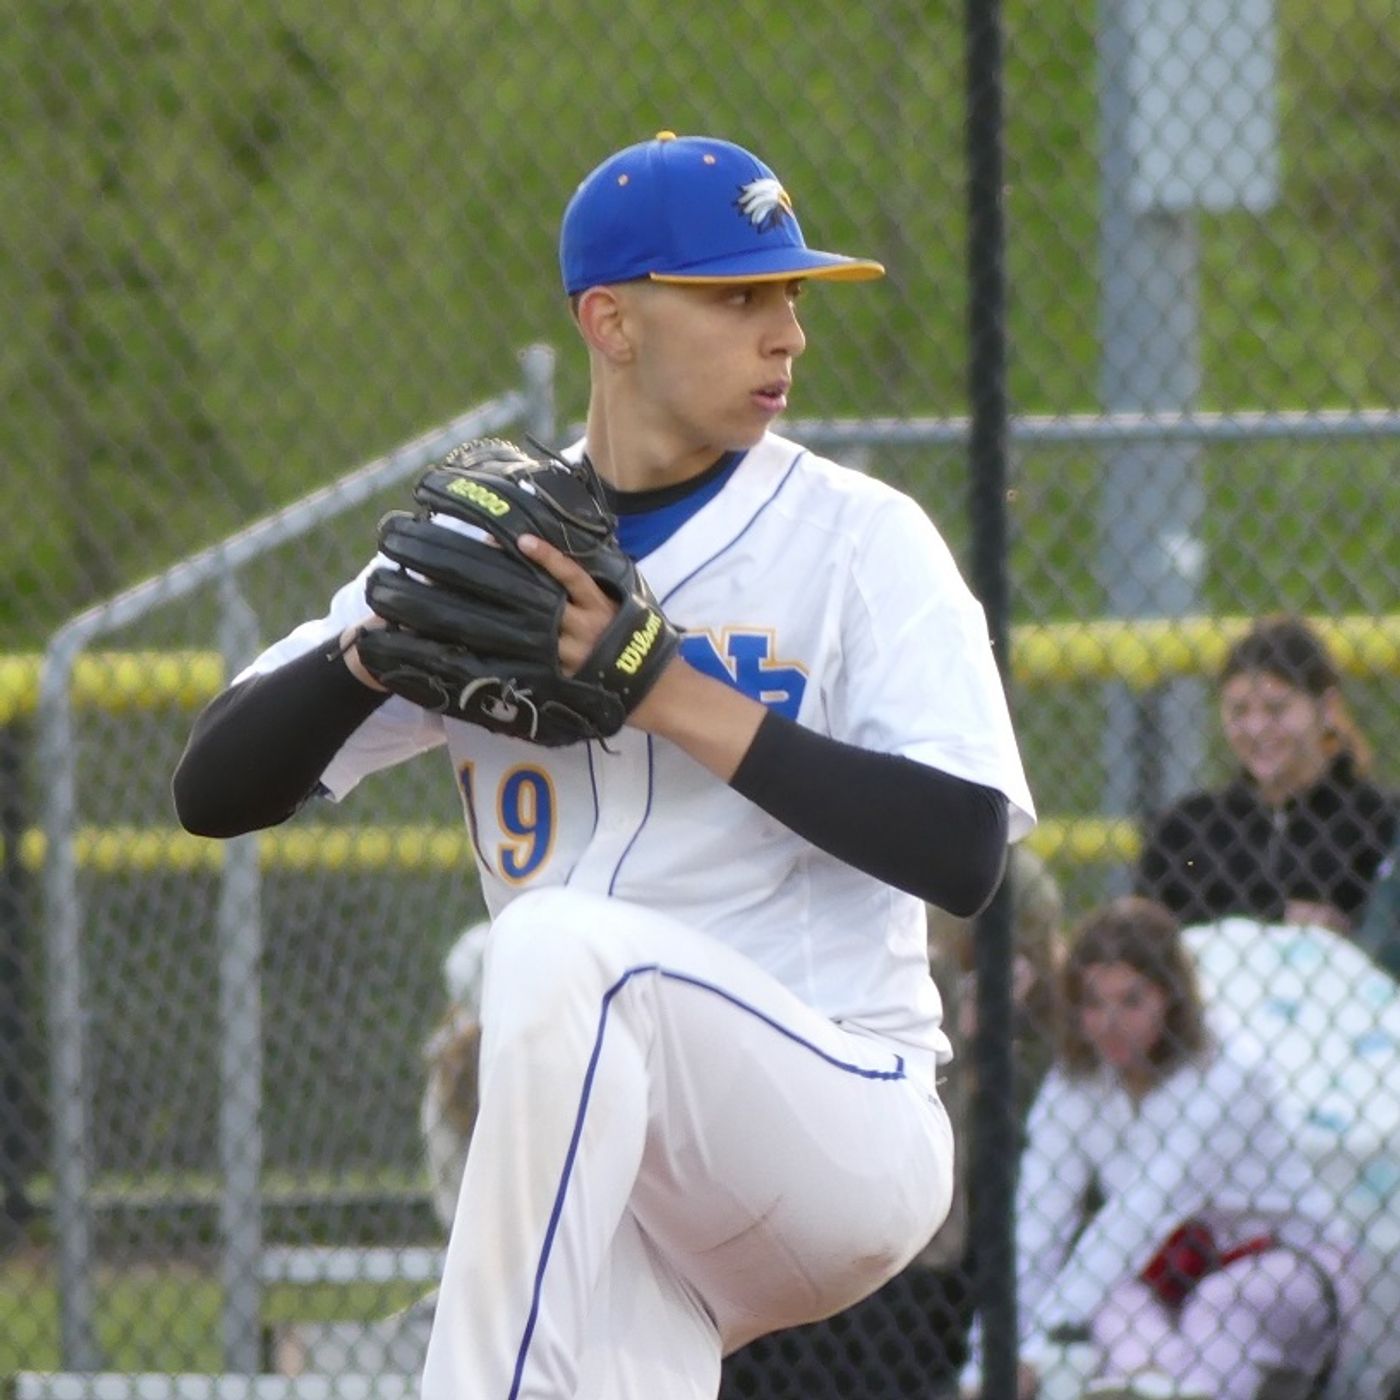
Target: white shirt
[(825, 594), (1211, 1143)]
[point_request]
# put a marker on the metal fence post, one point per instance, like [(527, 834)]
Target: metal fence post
[(537, 365), (1155, 177), (1152, 504), (993, 1145), (67, 1024), (240, 1045)]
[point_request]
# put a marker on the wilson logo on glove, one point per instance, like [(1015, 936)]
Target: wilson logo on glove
[(635, 652)]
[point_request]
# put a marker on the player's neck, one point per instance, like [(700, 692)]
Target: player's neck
[(632, 455)]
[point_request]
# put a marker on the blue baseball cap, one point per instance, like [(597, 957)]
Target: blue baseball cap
[(690, 209)]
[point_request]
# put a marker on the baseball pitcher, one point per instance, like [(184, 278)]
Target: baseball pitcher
[(722, 715)]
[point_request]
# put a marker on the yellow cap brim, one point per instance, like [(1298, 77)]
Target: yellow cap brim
[(857, 270)]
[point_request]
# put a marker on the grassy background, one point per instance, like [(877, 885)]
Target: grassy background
[(164, 1315), (251, 245)]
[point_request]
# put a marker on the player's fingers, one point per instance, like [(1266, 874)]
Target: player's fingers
[(588, 611), (575, 579)]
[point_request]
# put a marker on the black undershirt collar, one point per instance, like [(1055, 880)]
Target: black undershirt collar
[(639, 502)]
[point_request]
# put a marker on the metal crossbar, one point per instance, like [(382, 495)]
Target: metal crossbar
[(115, 1385), (345, 1264)]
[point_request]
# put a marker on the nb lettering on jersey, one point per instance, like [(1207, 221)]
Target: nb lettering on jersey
[(744, 659)]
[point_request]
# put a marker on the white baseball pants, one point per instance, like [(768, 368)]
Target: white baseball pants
[(673, 1156)]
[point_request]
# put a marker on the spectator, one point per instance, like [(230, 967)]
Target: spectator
[(447, 1112), (1163, 1204), (1378, 933), (1037, 918), (1297, 836), (1037, 932)]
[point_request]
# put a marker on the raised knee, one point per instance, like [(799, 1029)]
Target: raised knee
[(547, 942), (534, 915)]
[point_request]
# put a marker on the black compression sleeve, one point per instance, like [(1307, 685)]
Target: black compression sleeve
[(257, 751), (912, 826)]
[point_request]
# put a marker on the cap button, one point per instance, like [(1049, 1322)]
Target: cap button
[(665, 135)]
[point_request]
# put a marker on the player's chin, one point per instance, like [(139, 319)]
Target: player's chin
[(747, 433)]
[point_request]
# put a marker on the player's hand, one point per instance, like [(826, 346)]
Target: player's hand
[(351, 656), (588, 611)]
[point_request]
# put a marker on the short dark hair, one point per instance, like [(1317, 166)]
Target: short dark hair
[(1145, 936)]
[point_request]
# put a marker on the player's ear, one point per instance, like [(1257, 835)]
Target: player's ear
[(601, 314)]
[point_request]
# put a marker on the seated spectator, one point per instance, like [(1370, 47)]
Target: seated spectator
[(1163, 1205), (1298, 835), (447, 1110), (1313, 1003), (1378, 933), (1038, 951)]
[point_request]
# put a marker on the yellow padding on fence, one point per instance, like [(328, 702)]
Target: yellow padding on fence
[(1145, 653), (127, 850), (1085, 840), (1139, 653), (116, 681)]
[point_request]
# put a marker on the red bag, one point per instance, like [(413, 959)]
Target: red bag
[(1187, 1255)]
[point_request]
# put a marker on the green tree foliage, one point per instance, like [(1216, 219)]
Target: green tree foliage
[(133, 160), (251, 243)]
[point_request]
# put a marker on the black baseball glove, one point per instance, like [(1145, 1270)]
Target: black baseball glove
[(474, 625)]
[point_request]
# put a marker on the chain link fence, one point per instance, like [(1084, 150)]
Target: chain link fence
[(250, 247)]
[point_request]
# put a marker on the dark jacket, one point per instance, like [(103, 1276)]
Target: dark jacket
[(1214, 854)]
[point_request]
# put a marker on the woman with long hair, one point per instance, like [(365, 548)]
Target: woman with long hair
[(1163, 1204), (1297, 835)]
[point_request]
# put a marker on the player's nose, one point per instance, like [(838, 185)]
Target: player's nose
[(787, 336)]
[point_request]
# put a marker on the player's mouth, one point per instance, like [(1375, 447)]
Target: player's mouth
[(772, 398)]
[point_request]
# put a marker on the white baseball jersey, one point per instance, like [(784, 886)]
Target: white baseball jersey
[(824, 594)]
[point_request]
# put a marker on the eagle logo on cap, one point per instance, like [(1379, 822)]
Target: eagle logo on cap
[(764, 203)]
